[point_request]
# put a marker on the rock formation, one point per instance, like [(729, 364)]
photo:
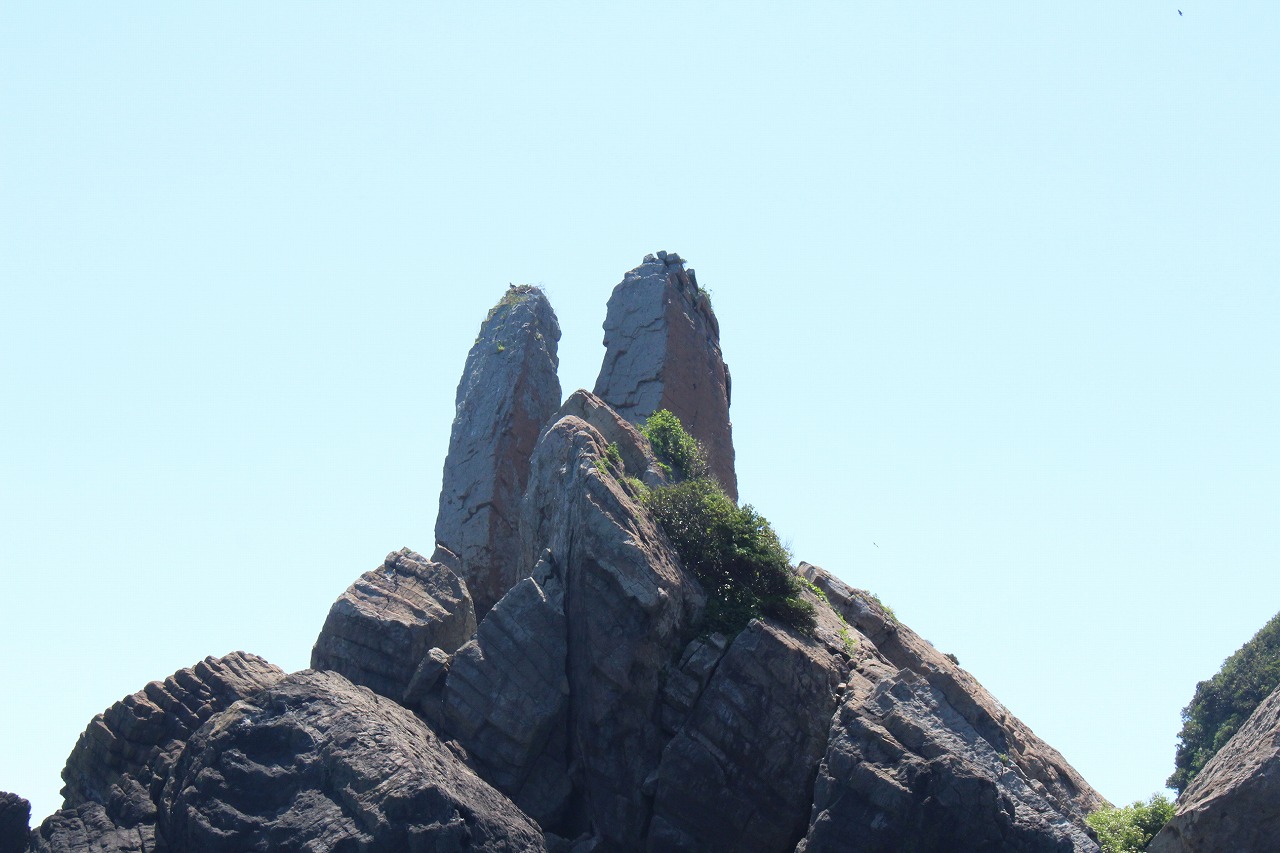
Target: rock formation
[(509, 389), (662, 351), (118, 767), (1234, 802), (381, 630), (588, 709), (15, 822), (317, 763)]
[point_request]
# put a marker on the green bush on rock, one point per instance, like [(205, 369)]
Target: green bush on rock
[(733, 551)]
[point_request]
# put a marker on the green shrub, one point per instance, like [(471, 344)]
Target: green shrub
[(734, 553), (1222, 704), (1131, 828), (680, 452)]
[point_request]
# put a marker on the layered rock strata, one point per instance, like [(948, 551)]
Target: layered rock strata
[(383, 628), (317, 763), (1234, 802), (509, 389), (662, 351), (118, 767), (921, 757)]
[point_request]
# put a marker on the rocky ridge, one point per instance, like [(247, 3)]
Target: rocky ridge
[(542, 682)]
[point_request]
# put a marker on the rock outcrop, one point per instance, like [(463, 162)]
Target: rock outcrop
[(576, 704), (629, 610), (509, 389), (317, 763), (119, 765), (1234, 802), (921, 757), (382, 629), (15, 822), (662, 351)]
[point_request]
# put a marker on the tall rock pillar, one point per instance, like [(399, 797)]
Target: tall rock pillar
[(508, 392), (662, 351)]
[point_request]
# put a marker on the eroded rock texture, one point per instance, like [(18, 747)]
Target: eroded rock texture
[(662, 351), (15, 822), (318, 763), (509, 390), (1233, 804), (738, 775), (922, 758), (629, 610), (384, 626), (118, 767)]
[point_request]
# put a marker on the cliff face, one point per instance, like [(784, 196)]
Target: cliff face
[(545, 682)]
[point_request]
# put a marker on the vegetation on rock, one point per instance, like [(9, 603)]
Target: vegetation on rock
[(1130, 829), (733, 550), (1222, 704)]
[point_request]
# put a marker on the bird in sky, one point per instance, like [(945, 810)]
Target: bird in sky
[(1179, 13)]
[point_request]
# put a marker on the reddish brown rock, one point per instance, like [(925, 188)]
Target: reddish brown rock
[(508, 392), (662, 351)]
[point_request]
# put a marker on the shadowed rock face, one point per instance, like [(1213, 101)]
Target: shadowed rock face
[(662, 351), (118, 767), (1233, 804), (15, 822), (509, 390), (317, 763), (382, 628)]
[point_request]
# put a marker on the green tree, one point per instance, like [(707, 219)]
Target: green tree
[(1222, 704), (1131, 828)]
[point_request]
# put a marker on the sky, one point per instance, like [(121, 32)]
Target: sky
[(996, 283)]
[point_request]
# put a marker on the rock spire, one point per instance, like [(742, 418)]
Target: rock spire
[(662, 351), (509, 389)]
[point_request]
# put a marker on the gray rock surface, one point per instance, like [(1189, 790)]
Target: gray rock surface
[(15, 822), (1233, 804), (318, 763), (119, 765), (662, 351), (380, 631), (629, 610), (921, 757), (508, 392), (507, 696), (739, 773)]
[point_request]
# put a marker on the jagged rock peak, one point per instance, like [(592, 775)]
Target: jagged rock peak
[(662, 351), (1234, 802), (509, 390), (382, 629), (15, 822)]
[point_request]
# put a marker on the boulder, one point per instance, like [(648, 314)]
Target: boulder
[(630, 609), (662, 351), (509, 390), (1234, 802), (380, 631), (15, 823), (318, 763), (88, 828)]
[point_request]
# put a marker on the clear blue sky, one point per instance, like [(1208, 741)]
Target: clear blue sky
[(997, 284)]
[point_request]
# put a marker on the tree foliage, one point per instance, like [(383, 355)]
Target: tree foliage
[(674, 447), (1131, 828), (1222, 704)]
